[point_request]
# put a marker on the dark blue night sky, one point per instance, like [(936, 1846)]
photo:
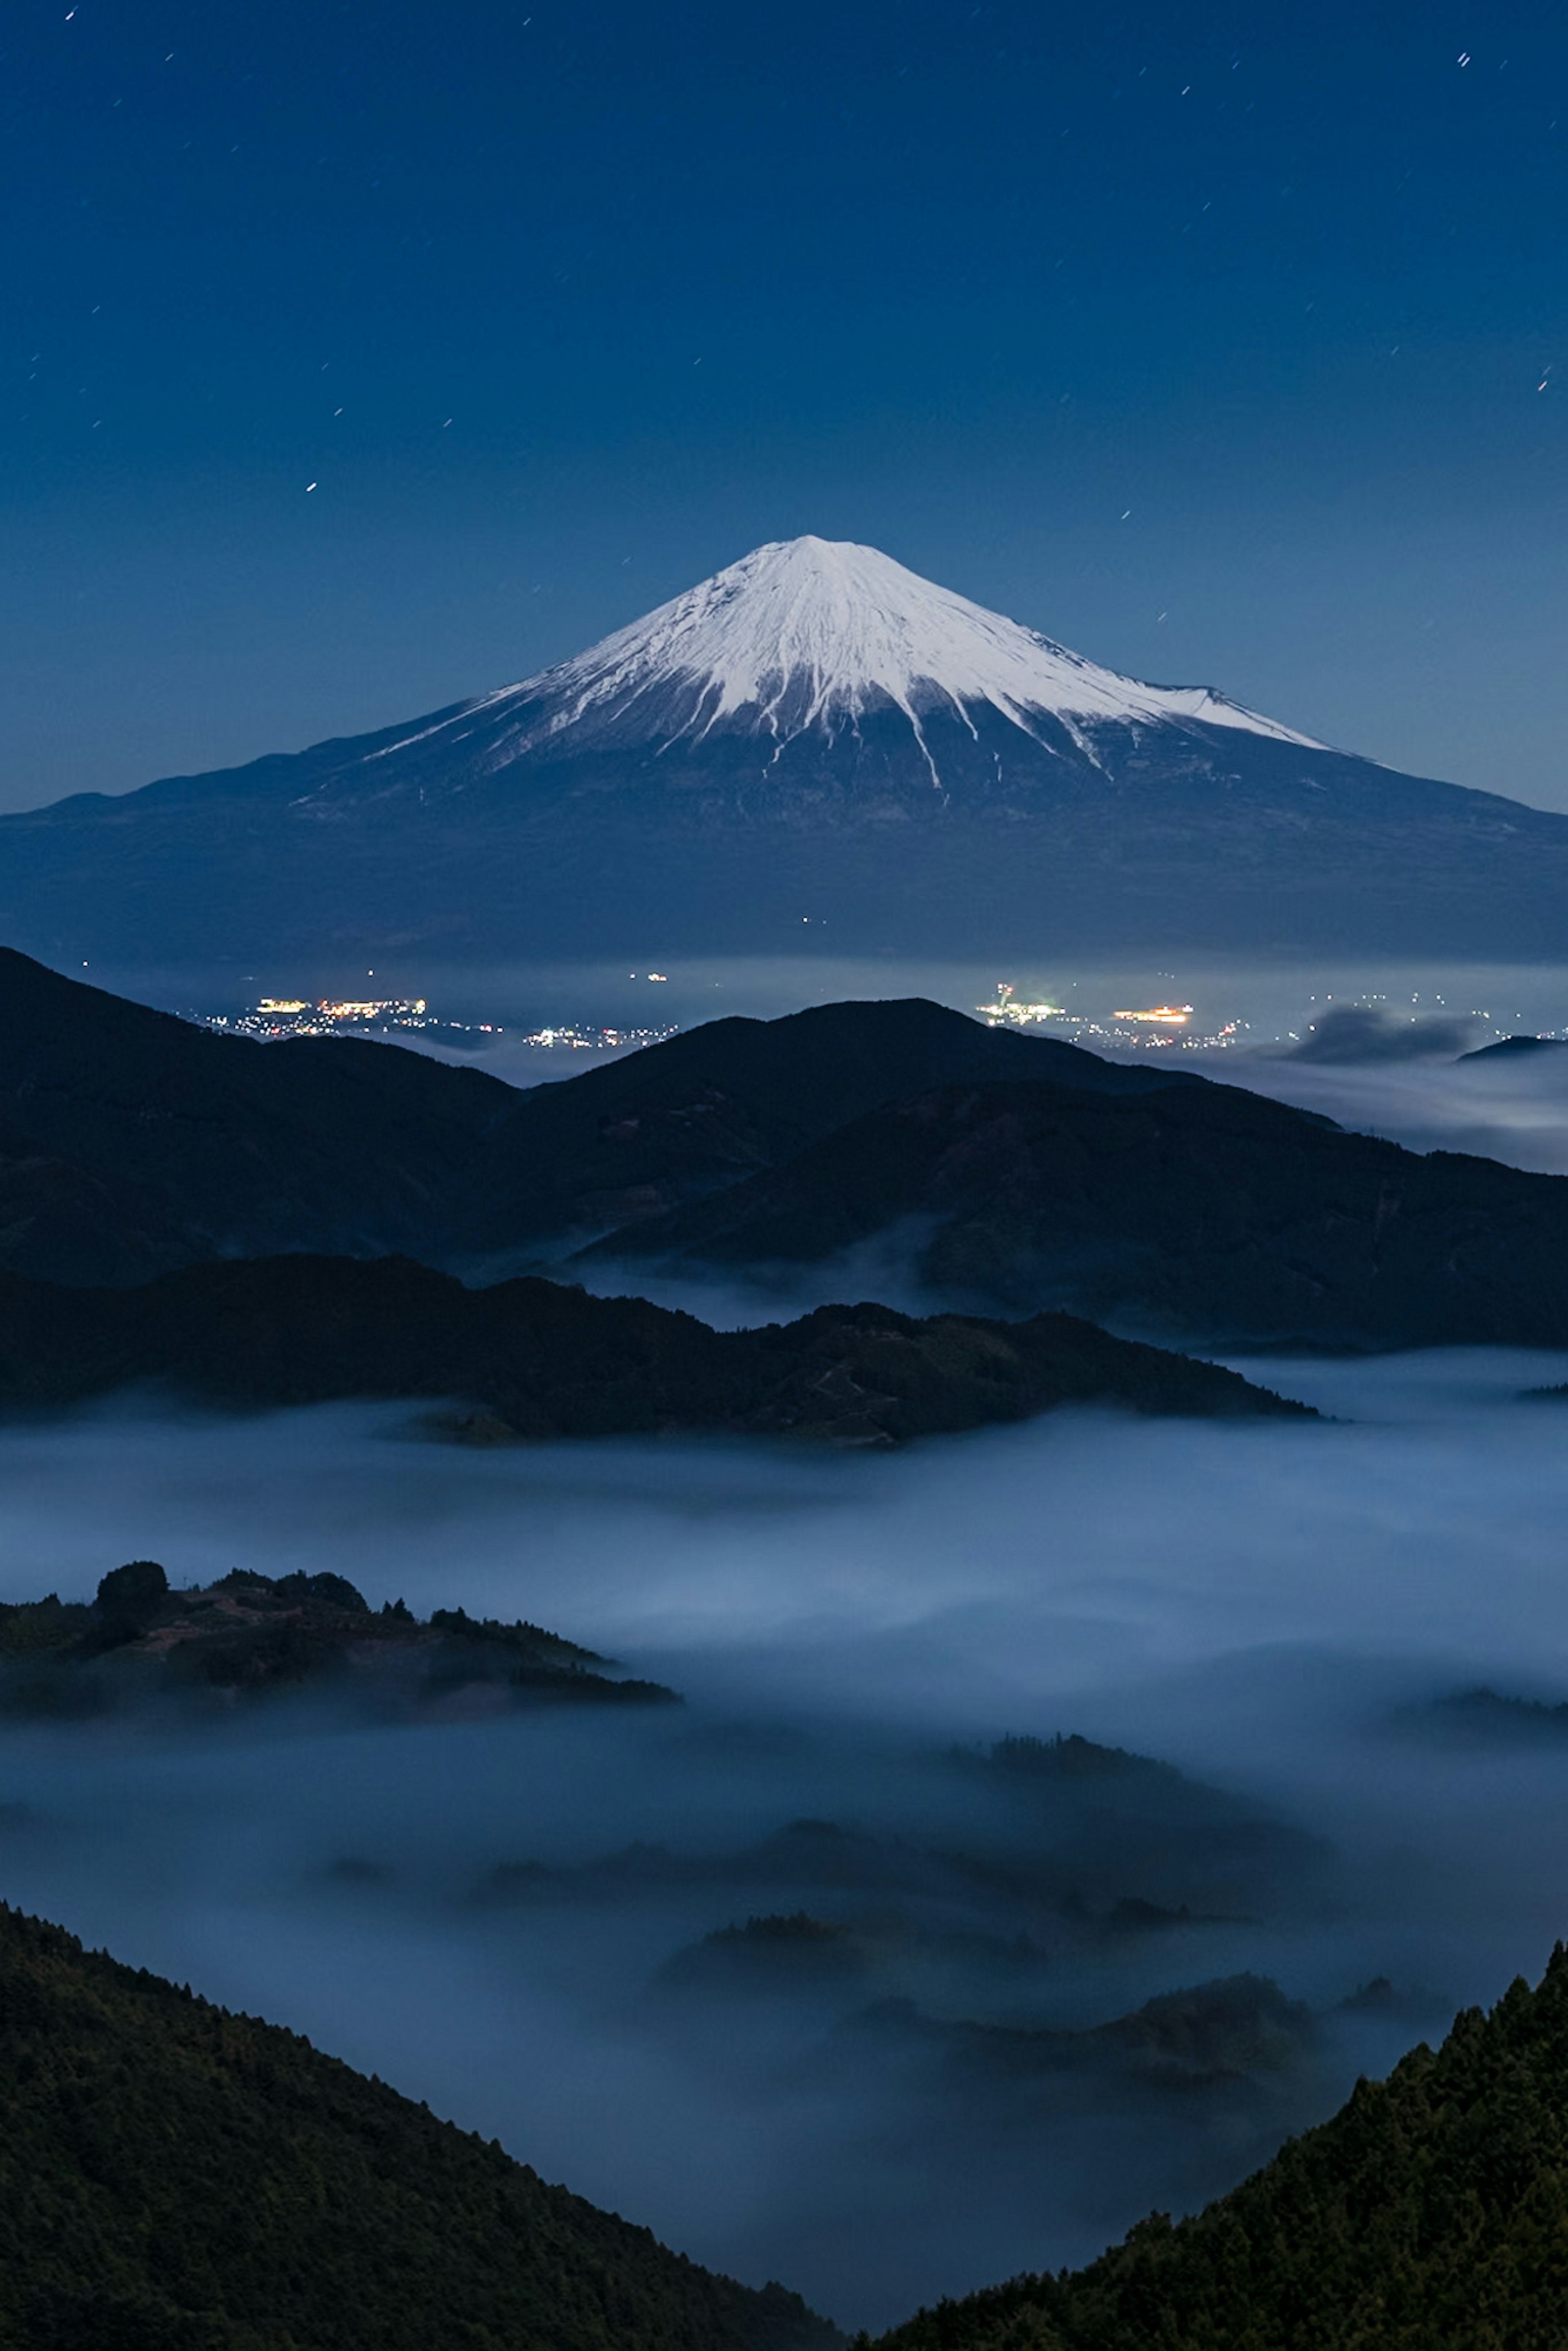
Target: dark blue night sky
[(1223, 343)]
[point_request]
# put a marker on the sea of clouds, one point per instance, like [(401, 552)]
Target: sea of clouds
[(1256, 1605), (1267, 1607)]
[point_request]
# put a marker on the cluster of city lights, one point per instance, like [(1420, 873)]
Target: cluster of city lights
[(1007, 1009), (1140, 1031), (275, 1017), (574, 1040)]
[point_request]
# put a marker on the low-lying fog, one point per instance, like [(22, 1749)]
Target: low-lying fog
[(1416, 1080), (1270, 1608)]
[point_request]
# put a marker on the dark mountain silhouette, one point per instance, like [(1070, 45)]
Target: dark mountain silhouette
[(701, 1111), (1202, 1210), (176, 2178), (1428, 2214), (1036, 1175), (1208, 2036), (1514, 1047), (132, 1142), (545, 1361), (814, 733)]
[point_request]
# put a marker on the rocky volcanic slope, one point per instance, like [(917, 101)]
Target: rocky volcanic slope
[(546, 1361), (177, 2177), (1208, 1211), (814, 747), (1431, 2214)]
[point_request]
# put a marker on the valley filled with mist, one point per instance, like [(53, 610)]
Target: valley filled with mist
[(885, 1799), (812, 1973)]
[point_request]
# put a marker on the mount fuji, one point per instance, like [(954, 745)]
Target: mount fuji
[(815, 747)]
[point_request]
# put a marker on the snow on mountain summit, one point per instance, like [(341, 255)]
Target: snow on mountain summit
[(815, 747), (813, 632)]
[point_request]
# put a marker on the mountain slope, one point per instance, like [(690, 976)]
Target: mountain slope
[(544, 1361), (173, 2177), (700, 1112), (816, 636), (813, 747), (1205, 1211), (132, 1142), (1431, 2214)]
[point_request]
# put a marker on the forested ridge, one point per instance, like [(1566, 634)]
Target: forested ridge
[(540, 1360), (1430, 2214), (175, 2177)]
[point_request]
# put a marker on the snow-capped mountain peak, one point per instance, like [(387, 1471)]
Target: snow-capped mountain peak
[(814, 632), (748, 771)]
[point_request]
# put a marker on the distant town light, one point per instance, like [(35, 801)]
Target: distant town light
[(380, 1008), (1005, 1008), (275, 1018)]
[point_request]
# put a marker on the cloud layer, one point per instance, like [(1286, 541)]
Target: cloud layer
[(1250, 1604)]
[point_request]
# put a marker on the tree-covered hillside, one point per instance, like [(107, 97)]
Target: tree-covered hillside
[(176, 2179), (542, 1360), (1431, 2214)]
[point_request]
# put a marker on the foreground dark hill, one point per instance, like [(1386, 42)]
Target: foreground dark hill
[(1431, 2214), (173, 2177), (1202, 1210), (132, 1142), (545, 1361), (815, 744)]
